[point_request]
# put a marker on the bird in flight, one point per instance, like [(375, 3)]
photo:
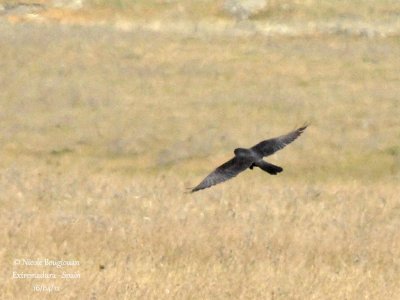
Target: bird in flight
[(250, 158)]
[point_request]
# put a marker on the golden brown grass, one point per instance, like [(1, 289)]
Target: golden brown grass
[(277, 10), (275, 240), (102, 132)]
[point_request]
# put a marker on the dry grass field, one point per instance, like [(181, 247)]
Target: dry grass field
[(276, 10), (102, 132)]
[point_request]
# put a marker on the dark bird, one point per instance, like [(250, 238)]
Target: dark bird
[(250, 158)]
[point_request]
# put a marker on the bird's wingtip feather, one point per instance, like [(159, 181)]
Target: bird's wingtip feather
[(304, 127), (190, 190)]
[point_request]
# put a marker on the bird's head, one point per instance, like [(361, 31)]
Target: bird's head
[(241, 152)]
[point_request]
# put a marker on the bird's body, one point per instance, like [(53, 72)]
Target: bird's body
[(243, 152), (250, 158)]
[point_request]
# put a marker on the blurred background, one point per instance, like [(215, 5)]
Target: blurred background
[(110, 110), (143, 98)]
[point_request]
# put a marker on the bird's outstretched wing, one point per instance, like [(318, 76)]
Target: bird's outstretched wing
[(270, 146), (224, 172)]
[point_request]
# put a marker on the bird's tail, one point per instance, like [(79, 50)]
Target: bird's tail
[(269, 168)]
